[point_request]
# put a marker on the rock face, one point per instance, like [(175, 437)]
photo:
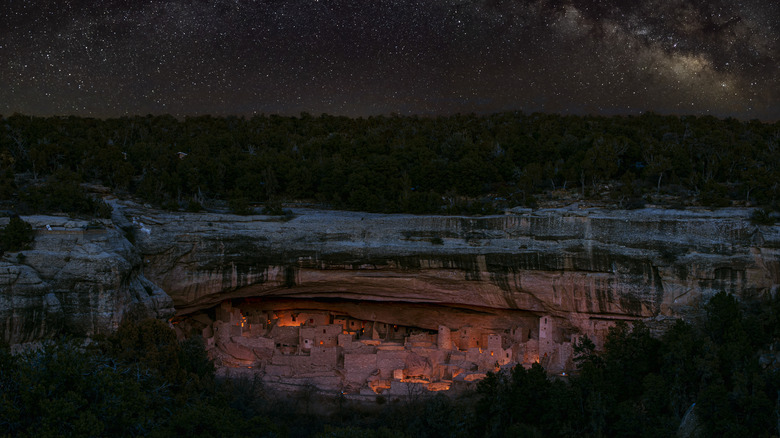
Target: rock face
[(367, 304), (78, 278), (581, 266)]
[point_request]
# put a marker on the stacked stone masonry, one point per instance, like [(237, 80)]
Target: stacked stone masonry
[(336, 351)]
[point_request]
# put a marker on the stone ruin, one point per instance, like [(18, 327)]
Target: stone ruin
[(290, 348)]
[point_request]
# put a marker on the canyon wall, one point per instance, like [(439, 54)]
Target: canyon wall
[(79, 278), (580, 266)]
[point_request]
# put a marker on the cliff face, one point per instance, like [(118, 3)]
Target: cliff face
[(78, 278), (580, 266)]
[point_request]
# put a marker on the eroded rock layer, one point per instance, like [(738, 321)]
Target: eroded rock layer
[(79, 278), (577, 265)]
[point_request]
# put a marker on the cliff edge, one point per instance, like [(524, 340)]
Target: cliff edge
[(578, 265), (79, 278)]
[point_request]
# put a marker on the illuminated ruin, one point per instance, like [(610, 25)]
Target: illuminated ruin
[(291, 343)]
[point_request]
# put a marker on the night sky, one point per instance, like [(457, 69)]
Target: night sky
[(108, 58)]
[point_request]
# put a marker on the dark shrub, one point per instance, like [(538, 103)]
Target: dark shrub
[(16, 236)]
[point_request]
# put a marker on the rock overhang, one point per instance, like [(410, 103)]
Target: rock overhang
[(559, 261), (572, 263)]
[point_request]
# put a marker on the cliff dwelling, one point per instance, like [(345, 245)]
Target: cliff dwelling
[(370, 348), (357, 303)]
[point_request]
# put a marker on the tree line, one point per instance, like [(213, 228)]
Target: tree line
[(447, 164)]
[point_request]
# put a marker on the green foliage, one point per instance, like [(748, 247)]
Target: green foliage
[(357, 432), (523, 400), (152, 344), (142, 381), (585, 355), (16, 236), (65, 390), (101, 209), (435, 416), (642, 386), (762, 216), (629, 355), (715, 195), (458, 164), (273, 208), (682, 348), (194, 360), (62, 193), (204, 420), (7, 179), (194, 206), (240, 205), (139, 382)]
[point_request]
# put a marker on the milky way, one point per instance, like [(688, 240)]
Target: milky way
[(364, 57)]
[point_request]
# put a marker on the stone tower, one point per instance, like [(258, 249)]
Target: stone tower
[(545, 337), (445, 338)]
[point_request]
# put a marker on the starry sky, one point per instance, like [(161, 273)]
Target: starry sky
[(107, 58)]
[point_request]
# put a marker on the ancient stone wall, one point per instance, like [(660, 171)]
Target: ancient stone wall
[(389, 361), (359, 367)]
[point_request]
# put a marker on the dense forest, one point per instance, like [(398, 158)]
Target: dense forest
[(717, 377), (720, 375), (453, 164)]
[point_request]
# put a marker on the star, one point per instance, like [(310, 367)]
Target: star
[(346, 57)]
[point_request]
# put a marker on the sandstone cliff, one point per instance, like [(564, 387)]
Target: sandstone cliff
[(579, 265), (79, 278)]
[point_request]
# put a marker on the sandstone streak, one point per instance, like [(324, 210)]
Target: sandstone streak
[(578, 265), (77, 279), (566, 262)]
